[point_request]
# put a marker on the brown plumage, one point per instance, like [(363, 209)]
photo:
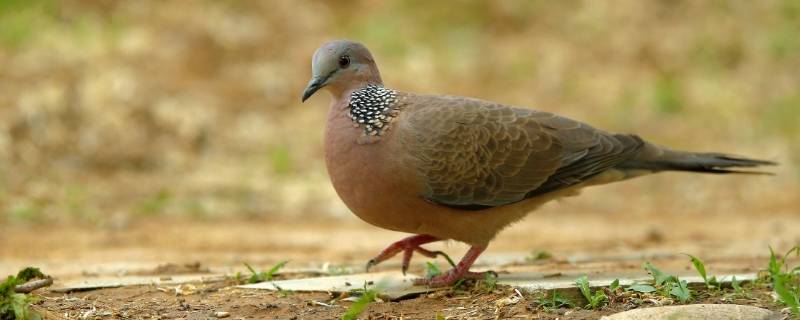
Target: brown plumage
[(445, 167)]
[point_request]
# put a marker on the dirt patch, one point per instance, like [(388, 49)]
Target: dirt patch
[(203, 301), (599, 244)]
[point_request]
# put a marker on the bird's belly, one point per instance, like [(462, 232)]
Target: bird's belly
[(369, 188)]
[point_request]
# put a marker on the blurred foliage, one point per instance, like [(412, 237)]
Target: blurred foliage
[(117, 109)]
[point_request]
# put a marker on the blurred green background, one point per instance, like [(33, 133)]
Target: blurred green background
[(112, 111)]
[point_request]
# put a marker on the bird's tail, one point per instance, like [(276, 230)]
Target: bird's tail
[(655, 158)]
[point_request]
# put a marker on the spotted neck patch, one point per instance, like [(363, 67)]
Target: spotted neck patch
[(373, 108)]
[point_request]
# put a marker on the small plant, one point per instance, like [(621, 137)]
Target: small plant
[(283, 293), (257, 277), (680, 290), (358, 307), (664, 284), (785, 282), (554, 301), (641, 288), (490, 282), (595, 299), (14, 305), (459, 288), (614, 285), (432, 269), (711, 283), (737, 287), (659, 277)]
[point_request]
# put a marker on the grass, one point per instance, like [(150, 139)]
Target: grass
[(596, 299), (712, 282), (366, 296), (256, 277), (360, 305), (665, 285), (16, 305), (785, 281), (553, 301)]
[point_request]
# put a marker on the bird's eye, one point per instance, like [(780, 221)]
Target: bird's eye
[(344, 61)]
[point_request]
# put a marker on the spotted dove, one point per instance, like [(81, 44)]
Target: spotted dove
[(447, 167)]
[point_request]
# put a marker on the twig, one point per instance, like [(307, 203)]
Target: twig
[(33, 285)]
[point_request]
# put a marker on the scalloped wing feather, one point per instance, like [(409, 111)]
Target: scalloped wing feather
[(475, 154)]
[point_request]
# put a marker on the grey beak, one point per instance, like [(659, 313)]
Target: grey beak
[(315, 84)]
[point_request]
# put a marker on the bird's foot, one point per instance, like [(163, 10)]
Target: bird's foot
[(458, 272), (408, 246)]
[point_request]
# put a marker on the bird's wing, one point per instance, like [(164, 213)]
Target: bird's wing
[(474, 154)]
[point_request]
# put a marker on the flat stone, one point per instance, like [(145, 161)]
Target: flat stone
[(695, 312), (391, 285), (114, 282)]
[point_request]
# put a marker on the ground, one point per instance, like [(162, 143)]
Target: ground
[(579, 242)]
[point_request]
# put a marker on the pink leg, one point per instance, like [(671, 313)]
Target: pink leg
[(461, 271), (407, 246)]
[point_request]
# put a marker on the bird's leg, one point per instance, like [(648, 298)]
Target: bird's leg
[(460, 271), (407, 246)]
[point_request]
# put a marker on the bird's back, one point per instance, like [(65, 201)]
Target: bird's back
[(475, 154)]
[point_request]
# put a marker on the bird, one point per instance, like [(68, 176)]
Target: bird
[(458, 168)]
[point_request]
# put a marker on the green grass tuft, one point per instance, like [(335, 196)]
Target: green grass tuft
[(785, 282), (257, 277), (596, 299)]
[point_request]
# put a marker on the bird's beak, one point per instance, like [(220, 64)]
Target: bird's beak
[(315, 84)]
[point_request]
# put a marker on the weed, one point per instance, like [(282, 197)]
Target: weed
[(785, 283), (712, 282), (283, 293), (15, 305), (614, 285), (367, 297), (458, 287), (737, 288), (432, 269), (490, 282), (257, 277), (664, 284), (360, 305), (659, 277), (680, 290), (641, 288), (554, 301), (595, 299)]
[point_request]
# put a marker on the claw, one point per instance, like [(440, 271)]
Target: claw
[(371, 263), (407, 246)]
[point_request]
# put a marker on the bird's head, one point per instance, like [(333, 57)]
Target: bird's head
[(341, 65)]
